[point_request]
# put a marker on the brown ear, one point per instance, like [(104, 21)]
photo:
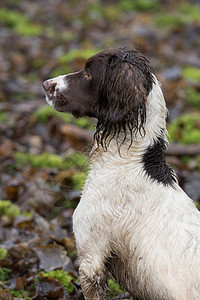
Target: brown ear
[(122, 101)]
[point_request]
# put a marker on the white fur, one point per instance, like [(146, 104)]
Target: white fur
[(49, 101), (61, 85), (154, 229)]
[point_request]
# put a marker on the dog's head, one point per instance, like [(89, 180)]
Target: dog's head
[(113, 87)]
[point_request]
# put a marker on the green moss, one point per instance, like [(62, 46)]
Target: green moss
[(83, 123), (22, 294), (193, 97), (79, 180), (111, 12), (169, 21), (74, 54), (8, 209), (37, 62), (4, 274), (78, 160), (28, 29), (11, 18), (3, 253), (197, 204), (19, 22), (39, 161), (95, 12), (67, 36), (191, 73), (115, 288), (185, 129), (45, 112), (3, 117), (190, 10), (71, 253), (64, 69), (65, 278), (69, 203), (141, 5), (186, 14), (48, 160)]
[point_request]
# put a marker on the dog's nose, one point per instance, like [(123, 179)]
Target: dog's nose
[(49, 86)]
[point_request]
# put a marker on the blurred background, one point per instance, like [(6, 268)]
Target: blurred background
[(44, 154)]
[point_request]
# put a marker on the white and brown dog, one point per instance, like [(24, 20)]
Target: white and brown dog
[(133, 221)]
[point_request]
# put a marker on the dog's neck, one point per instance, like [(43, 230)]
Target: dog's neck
[(144, 152), (155, 126), (155, 129)]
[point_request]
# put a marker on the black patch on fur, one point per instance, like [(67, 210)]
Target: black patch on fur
[(154, 163)]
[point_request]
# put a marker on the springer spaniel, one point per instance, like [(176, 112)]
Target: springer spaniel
[(133, 221)]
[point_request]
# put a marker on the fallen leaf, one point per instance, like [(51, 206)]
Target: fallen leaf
[(48, 287), (6, 148), (5, 294), (51, 256), (21, 283)]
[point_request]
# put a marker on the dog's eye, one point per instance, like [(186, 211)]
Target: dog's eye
[(88, 75)]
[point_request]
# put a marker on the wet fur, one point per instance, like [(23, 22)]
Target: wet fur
[(133, 221)]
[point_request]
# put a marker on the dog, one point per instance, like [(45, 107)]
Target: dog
[(133, 222)]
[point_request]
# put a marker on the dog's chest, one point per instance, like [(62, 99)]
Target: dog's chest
[(117, 206)]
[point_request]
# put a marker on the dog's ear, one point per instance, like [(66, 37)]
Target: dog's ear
[(123, 97)]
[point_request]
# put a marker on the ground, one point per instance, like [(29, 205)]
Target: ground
[(44, 154)]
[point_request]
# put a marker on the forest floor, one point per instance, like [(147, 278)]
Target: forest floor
[(44, 154)]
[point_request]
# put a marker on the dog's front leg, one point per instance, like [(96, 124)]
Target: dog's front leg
[(93, 243), (93, 278)]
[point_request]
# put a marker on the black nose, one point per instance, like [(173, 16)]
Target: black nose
[(49, 86)]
